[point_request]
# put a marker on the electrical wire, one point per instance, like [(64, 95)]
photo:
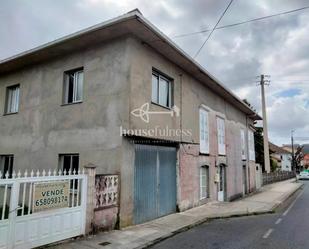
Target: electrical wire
[(241, 23), (199, 50), (292, 80)]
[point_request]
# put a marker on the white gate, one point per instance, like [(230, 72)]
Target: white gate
[(39, 209)]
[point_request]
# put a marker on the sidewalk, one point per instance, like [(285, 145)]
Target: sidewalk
[(141, 236)]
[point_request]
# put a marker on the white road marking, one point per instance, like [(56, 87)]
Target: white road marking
[(278, 221), (266, 235), (292, 204)]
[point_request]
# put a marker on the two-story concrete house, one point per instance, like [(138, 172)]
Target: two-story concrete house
[(122, 96), (281, 156)]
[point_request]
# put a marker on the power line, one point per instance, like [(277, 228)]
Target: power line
[(291, 79), (276, 80), (241, 23), (287, 81), (199, 50), (292, 75)]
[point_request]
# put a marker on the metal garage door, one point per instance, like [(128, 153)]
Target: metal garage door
[(154, 182)]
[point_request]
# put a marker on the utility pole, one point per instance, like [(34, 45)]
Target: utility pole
[(264, 82), (293, 155)]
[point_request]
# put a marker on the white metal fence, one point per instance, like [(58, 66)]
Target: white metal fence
[(38, 208)]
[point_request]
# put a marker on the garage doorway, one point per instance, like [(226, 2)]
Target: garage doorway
[(154, 182)]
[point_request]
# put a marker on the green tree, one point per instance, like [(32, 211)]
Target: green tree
[(258, 141), (273, 165), (298, 157), (259, 146), (259, 149)]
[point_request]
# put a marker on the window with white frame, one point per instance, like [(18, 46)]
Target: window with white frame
[(251, 145), (204, 182), (6, 165), (69, 162), (73, 86), (221, 135), (161, 90), (12, 99), (204, 131), (243, 144)]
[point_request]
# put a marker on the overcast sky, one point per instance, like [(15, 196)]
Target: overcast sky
[(278, 46)]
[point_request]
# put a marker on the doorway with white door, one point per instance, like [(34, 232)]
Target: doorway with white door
[(244, 180), (222, 182)]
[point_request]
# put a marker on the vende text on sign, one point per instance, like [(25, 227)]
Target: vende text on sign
[(50, 195)]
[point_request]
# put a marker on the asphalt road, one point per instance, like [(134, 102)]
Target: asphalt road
[(288, 228)]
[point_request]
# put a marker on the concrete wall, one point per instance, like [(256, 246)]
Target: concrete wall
[(189, 96), (117, 80), (44, 128), (142, 61), (106, 219), (127, 184), (194, 94), (252, 176)]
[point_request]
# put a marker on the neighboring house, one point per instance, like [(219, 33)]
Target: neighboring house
[(77, 100), (305, 151), (282, 157), (288, 147), (306, 155), (306, 161)]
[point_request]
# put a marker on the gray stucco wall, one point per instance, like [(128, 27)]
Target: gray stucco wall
[(194, 94), (44, 128), (117, 79), (142, 60)]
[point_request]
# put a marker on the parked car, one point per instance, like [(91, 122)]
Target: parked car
[(303, 175)]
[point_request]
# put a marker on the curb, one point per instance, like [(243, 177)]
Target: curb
[(203, 220), (173, 233), (286, 197)]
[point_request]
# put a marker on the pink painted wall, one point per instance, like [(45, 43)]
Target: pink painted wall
[(189, 179), (105, 219)]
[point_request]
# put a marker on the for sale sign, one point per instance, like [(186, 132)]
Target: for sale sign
[(50, 195)]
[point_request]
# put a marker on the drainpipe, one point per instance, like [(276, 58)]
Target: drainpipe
[(180, 100), (247, 152)]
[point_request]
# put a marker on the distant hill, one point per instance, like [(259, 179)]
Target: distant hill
[(306, 148)]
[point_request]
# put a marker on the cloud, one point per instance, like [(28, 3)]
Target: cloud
[(289, 93), (288, 112), (278, 46)]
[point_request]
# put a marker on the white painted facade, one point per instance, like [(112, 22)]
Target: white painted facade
[(286, 162)]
